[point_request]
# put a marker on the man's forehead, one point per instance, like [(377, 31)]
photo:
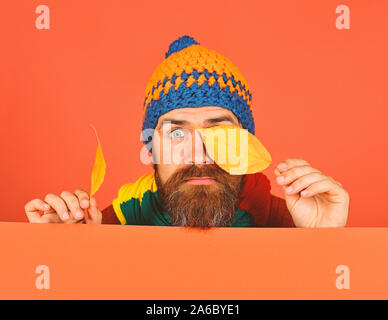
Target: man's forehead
[(197, 114)]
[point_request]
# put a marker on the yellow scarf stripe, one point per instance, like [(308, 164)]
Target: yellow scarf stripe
[(134, 190)]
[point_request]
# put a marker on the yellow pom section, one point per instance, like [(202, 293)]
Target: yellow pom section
[(188, 59), (235, 150)]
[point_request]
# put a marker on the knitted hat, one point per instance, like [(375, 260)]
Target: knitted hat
[(193, 76)]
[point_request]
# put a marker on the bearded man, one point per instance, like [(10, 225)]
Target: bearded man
[(192, 88)]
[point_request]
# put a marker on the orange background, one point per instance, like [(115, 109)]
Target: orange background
[(319, 93), (141, 262)]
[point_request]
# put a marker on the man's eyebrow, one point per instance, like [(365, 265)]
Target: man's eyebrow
[(220, 119), (173, 121), (207, 121)]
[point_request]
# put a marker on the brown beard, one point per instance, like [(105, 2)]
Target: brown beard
[(201, 206)]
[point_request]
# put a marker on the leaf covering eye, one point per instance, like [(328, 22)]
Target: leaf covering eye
[(235, 150)]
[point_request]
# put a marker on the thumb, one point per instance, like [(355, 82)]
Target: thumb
[(95, 215)]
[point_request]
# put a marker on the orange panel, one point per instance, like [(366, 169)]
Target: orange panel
[(132, 262), (317, 92)]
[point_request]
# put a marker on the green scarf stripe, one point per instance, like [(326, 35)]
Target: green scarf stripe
[(150, 212), (242, 219)]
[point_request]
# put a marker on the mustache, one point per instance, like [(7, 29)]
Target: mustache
[(207, 170)]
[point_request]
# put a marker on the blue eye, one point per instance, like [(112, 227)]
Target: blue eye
[(177, 134)]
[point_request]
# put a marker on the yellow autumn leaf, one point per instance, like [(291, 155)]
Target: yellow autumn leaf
[(234, 149), (98, 171)]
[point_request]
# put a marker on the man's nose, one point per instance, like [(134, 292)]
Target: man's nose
[(197, 154)]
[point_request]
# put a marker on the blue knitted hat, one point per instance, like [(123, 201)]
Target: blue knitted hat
[(193, 76)]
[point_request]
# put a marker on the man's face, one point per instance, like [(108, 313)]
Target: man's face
[(194, 192)]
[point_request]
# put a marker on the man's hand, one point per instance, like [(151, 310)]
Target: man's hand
[(66, 208), (313, 199)]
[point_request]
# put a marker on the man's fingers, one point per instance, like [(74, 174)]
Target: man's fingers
[(83, 198), (35, 217), (59, 205), (36, 205), (67, 207), (50, 218), (34, 208), (323, 186), (291, 175), (291, 163), (95, 215), (304, 181), (73, 204)]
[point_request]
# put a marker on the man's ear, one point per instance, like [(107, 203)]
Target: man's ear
[(147, 137)]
